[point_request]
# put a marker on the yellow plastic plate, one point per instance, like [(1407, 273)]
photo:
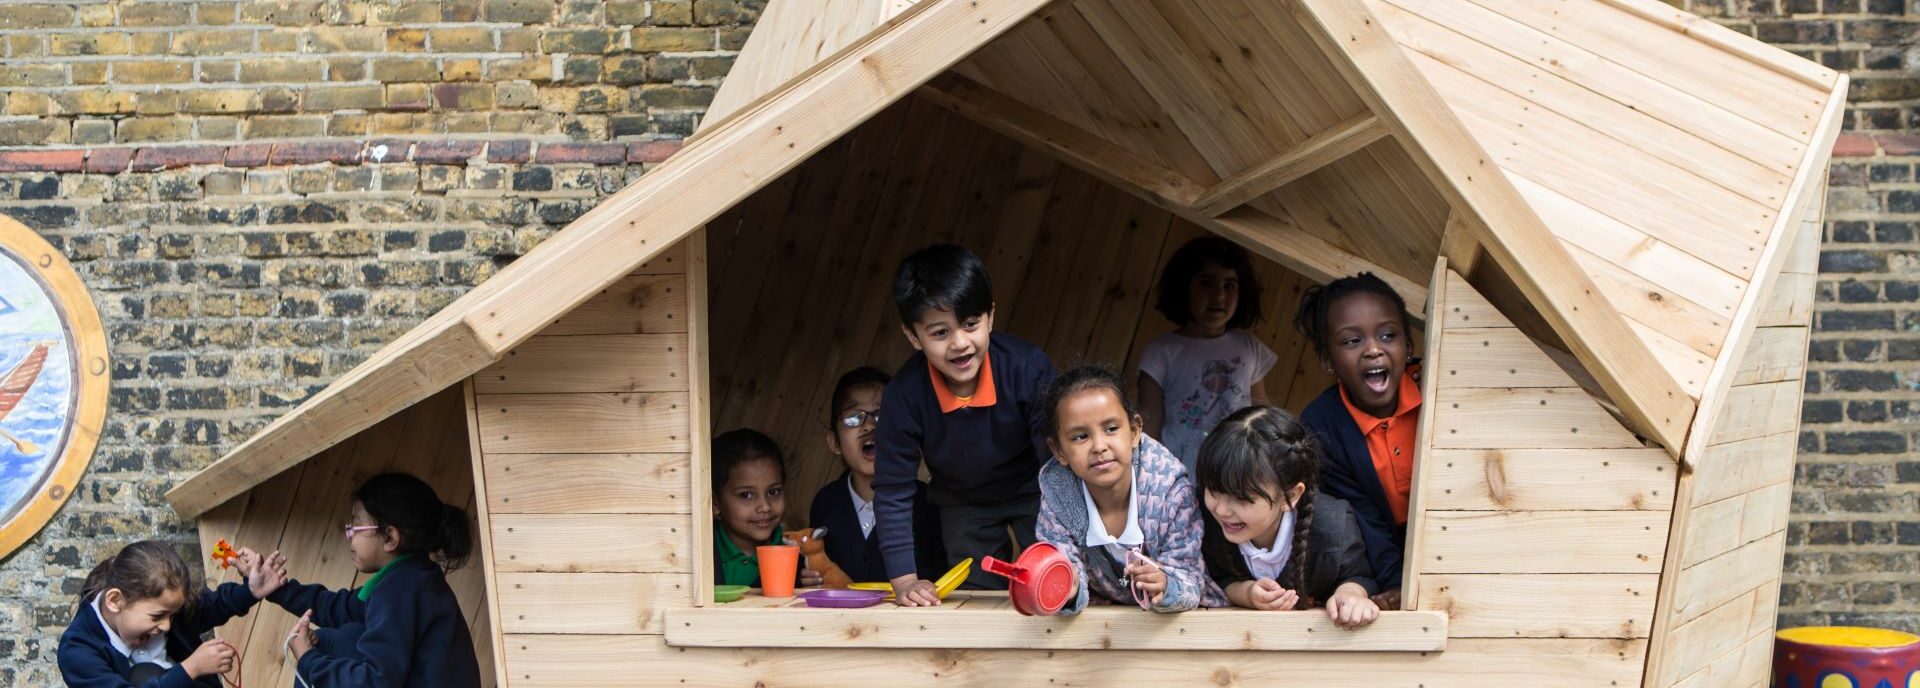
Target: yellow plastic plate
[(954, 577), (948, 582)]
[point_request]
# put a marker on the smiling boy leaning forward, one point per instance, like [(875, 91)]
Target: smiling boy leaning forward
[(967, 403)]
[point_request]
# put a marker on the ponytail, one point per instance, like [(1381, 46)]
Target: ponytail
[(427, 526), (140, 571)]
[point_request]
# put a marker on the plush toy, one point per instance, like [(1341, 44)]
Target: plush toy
[(813, 544), (223, 553)]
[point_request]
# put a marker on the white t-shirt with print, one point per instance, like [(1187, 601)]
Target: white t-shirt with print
[(1205, 380)]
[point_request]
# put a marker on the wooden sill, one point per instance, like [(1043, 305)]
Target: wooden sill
[(982, 620)]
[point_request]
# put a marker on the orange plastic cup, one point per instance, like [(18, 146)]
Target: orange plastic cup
[(778, 565)]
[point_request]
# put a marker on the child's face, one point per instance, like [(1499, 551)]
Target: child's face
[(1256, 521), (138, 623), (372, 548), (1095, 437), (953, 345), (1367, 350), (855, 445), (753, 501), (1213, 296)]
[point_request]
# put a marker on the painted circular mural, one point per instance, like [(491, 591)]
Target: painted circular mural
[(53, 382)]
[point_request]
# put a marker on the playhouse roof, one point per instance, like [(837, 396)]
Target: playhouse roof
[(1651, 162)]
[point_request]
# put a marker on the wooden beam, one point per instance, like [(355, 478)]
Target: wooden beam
[(1540, 266), (1092, 154), (1281, 240), (1096, 628), (489, 572), (1461, 245), (1319, 150)]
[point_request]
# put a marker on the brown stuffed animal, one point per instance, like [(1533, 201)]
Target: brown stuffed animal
[(813, 544)]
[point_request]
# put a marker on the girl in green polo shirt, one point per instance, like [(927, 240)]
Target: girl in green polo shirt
[(749, 499)]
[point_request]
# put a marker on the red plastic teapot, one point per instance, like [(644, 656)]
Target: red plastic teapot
[(1042, 580)]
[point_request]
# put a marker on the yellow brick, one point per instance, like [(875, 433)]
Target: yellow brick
[(527, 68), (409, 97), (89, 73), (406, 40), (219, 101), (347, 124), (96, 15), (219, 128), (155, 129), (219, 71), (27, 45), (400, 123), (461, 40), (151, 43), (285, 126), (281, 70), (36, 16), (152, 72), (331, 98), (215, 13), (280, 41), (155, 14), (341, 39), (28, 103), (97, 101), (460, 70), (465, 123), (156, 102), (346, 69), (398, 69), (212, 42)]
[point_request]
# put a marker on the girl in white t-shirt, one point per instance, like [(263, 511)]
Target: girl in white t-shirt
[(1210, 366)]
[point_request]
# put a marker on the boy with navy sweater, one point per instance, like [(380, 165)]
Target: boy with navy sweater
[(968, 403)]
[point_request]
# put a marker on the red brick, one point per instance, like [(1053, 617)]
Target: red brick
[(169, 157), (42, 161), (596, 153), (1895, 144), (390, 150), (109, 160), (1853, 146), (249, 155), (653, 151), (336, 152), (447, 152), (509, 151)]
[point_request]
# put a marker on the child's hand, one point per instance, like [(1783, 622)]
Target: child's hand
[(264, 573), (1350, 607), (1267, 595), (1151, 581), (809, 578), (300, 640), (913, 591), (214, 657)]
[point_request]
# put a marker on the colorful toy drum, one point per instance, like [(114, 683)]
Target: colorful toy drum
[(1845, 657)]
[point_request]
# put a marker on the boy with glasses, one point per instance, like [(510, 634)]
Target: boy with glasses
[(845, 506)]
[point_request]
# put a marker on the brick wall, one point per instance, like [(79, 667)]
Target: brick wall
[(260, 194), (1853, 545)]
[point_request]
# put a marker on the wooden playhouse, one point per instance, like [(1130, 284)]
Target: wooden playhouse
[(1605, 212)]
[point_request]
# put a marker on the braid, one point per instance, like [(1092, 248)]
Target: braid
[(1297, 569)]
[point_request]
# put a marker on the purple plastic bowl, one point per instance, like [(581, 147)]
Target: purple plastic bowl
[(843, 599)]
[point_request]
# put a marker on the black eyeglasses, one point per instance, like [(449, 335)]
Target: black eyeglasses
[(855, 419)]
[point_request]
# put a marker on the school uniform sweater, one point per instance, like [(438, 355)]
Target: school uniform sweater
[(976, 455), (1335, 555), (88, 659), (1169, 522), (858, 554), (412, 633), (1347, 472)]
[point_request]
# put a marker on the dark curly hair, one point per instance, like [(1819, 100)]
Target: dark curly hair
[(1177, 278), (1318, 301)]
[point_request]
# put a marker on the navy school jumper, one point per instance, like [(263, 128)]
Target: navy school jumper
[(987, 455), (1346, 471), (860, 557), (414, 635), (87, 658)]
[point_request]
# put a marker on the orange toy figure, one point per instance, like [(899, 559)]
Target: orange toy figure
[(813, 544), (223, 553)]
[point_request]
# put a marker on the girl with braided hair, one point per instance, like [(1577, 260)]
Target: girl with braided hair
[(1272, 542)]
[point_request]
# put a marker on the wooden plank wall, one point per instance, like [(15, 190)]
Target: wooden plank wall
[(300, 513), (585, 444), (1538, 515), (800, 273), (1726, 587)]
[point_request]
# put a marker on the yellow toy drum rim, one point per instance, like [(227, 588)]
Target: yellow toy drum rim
[(1849, 636)]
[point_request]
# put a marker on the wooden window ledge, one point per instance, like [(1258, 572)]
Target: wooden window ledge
[(983, 620)]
